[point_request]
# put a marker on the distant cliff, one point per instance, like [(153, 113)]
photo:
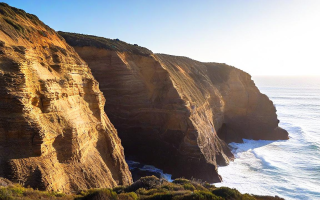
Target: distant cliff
[(54, 133), (174, 112)]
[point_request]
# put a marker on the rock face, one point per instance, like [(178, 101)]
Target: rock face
[(174, 112), (54, 133)]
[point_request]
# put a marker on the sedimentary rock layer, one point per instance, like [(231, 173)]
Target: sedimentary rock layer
[(54, 133), (174, 112)]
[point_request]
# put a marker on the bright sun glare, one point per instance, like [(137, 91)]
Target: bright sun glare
[(289, 44), (281, 39)]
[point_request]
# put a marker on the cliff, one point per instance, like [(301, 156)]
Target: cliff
[(54, 133), (174, 112)]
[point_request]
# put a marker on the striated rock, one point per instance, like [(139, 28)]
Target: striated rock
[(247, 113), (54, 133), (244, 113), (174, 112)]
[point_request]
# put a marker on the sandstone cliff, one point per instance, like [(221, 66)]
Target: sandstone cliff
[(174, 112), (54, 133)]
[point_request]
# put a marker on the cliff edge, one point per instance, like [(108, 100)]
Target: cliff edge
[(54, 133), (174, 112)]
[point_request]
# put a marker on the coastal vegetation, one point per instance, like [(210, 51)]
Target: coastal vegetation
[(149, 187)]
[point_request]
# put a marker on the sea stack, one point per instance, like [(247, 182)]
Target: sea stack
[(173, 112), (54, 133)]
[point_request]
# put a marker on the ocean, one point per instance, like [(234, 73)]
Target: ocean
[(289, 169)]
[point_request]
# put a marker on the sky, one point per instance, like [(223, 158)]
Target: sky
[(261, 37)]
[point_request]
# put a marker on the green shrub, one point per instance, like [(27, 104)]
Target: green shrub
[(16, 26), (147, 182), (199, 187), (161, 196), (258, 197), (12, 12), (188, 186), (6, 194), (6, 11), (43, 33), (199, 195), (119, 189), (227, 193), (209, 186), (181, 181), (204, 195), (58, 194), (19, 49), (33, 18), (128, 196), (172, 187), (17, 190), (143, 191), (247, 197), (104, 193)]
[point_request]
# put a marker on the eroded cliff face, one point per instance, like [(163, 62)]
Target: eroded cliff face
[(174, 112), (244, 112), (248, 113), (54, 133)]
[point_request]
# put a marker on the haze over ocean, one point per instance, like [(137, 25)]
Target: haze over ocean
[(289, 169)]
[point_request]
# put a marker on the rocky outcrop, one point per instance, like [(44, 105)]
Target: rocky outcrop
[(54, 133), (243, 112), (174, 112), (247, 113)]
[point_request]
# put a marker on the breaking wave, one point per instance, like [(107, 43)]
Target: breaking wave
[(289, 169)]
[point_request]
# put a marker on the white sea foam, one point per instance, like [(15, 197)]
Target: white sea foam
[(150, 168), (289, 169)]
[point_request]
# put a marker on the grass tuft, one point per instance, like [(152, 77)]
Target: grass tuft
[(16, 26)]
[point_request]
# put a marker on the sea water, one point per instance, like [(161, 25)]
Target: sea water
[(291, 168), (150, 168)]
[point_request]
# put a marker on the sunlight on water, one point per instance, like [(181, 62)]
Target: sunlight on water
[(289, 169)]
